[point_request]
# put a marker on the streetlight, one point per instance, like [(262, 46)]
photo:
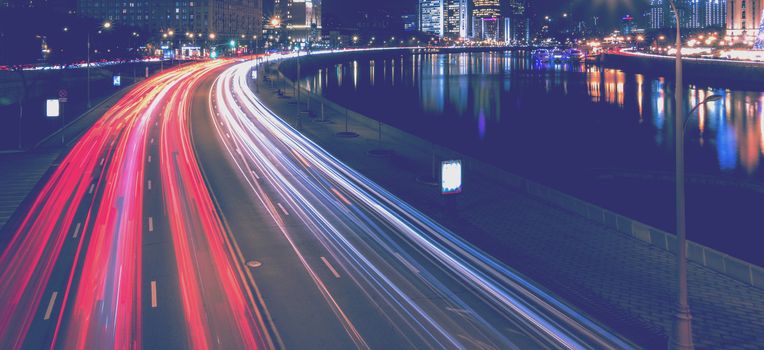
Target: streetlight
[(254, 38), (681, 336), (105, 25), (709, 99)]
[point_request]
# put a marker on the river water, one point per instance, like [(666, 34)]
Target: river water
[(605, 135)]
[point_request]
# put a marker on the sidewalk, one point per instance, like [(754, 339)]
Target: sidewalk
[(23, 171), (620, 281)]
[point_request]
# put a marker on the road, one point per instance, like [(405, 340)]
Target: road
[(190, 216), (360, 267), (122, 248)]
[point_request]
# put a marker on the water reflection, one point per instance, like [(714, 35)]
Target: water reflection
[(501, 90)]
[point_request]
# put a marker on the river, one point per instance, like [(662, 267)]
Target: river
[(605, 135)]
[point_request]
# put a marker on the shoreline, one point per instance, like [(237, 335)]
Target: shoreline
[(648, 233), (572, 248)]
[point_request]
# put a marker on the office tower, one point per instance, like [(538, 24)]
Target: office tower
[(226, 19), (657, 14), (743, 19), (716, 13), (516, 23), (300, 18), (455, 20), (431, 16), (486, 15)]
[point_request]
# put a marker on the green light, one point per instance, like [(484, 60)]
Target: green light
[(233, 43), (214, 54)]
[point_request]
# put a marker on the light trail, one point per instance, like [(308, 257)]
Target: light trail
[(97, 276), (380, 240)]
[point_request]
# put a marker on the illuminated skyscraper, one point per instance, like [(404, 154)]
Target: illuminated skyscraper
[(657, 14), (486, 16), (716, 13), (516, 23), (455, 21), (227, 19), (743, 19), (301, 18), (431, 16)]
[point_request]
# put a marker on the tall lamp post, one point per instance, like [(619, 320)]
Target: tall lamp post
[(681, 335), (105, 25)]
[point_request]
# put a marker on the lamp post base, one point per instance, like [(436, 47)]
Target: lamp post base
[(681, 336)]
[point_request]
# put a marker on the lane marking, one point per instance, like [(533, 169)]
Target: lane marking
[(329, 265), (50, 305), (338, 194), (254, 173), (77, 230), (151, 224), (102, 160), (149, 185), (282, 209), (152, 140), (406, 263), (149, 158), (92, 187), (154, 294), (458, 311)]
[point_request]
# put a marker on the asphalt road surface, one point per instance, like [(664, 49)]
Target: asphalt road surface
[(190, 216)]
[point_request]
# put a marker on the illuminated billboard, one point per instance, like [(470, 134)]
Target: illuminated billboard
[(451, 177), (52, 108)]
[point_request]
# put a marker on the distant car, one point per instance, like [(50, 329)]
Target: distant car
[(557, 55), (573, 55), (541, 55)]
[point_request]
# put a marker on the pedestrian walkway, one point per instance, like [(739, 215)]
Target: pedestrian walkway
[(620, 281)]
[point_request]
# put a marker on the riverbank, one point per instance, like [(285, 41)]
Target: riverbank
[(609, 267), (742, 74), (602, 135)]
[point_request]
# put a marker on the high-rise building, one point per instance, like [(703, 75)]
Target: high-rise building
[(223, 18), (431, 16), (743, 19), (716, 13), (410, 23), (455, 19), (657, 14), (301, 18), (486, 16), (516, 24), (695, 14), (57, 5), (692, 14)]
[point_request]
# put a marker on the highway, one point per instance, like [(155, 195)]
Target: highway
[(191, 216), (122, 248), (390, 276)]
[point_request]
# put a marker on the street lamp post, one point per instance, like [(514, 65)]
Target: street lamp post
[(681, 336), (105, 25), (88, 69)]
